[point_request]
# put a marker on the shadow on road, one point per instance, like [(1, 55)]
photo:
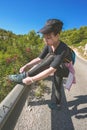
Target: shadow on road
[(79, 107), (61, 119)]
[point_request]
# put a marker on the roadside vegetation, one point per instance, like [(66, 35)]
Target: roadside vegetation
[(17, 50)]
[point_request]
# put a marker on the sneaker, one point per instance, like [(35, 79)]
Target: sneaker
[(58, 106), (17, 77), (54, 106)]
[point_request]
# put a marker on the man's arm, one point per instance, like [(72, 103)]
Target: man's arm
[(39, 76), (30, 64)]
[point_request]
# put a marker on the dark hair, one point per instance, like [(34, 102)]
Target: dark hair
[(52, 25), (56, 26)]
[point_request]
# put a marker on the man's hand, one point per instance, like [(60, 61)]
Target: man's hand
[(28, 81), (22, 69)]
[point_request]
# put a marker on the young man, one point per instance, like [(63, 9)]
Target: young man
[(52, 59)]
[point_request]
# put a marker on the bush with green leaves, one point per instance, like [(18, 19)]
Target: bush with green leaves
[(16, 51)]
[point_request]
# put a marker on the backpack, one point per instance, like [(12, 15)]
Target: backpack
[(73, 55)]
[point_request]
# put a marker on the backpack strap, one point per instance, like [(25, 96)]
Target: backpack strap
[(73, 56)]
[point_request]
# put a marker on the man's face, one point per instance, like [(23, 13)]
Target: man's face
[(50, 39)]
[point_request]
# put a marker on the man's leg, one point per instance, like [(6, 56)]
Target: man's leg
[(57, 87), (34, 71), (58, 77), (42, 66)]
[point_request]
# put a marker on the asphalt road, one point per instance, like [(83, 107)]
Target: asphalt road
[(34, 114)]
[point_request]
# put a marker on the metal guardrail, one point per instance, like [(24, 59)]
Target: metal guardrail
[(8, 104)]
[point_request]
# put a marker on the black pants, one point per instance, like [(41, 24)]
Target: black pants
[(61, 72)]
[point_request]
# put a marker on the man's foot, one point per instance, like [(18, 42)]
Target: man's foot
[(54, 106), (58, 106), (17, 77)]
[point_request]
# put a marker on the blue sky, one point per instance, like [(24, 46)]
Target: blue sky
[(22, 16)]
